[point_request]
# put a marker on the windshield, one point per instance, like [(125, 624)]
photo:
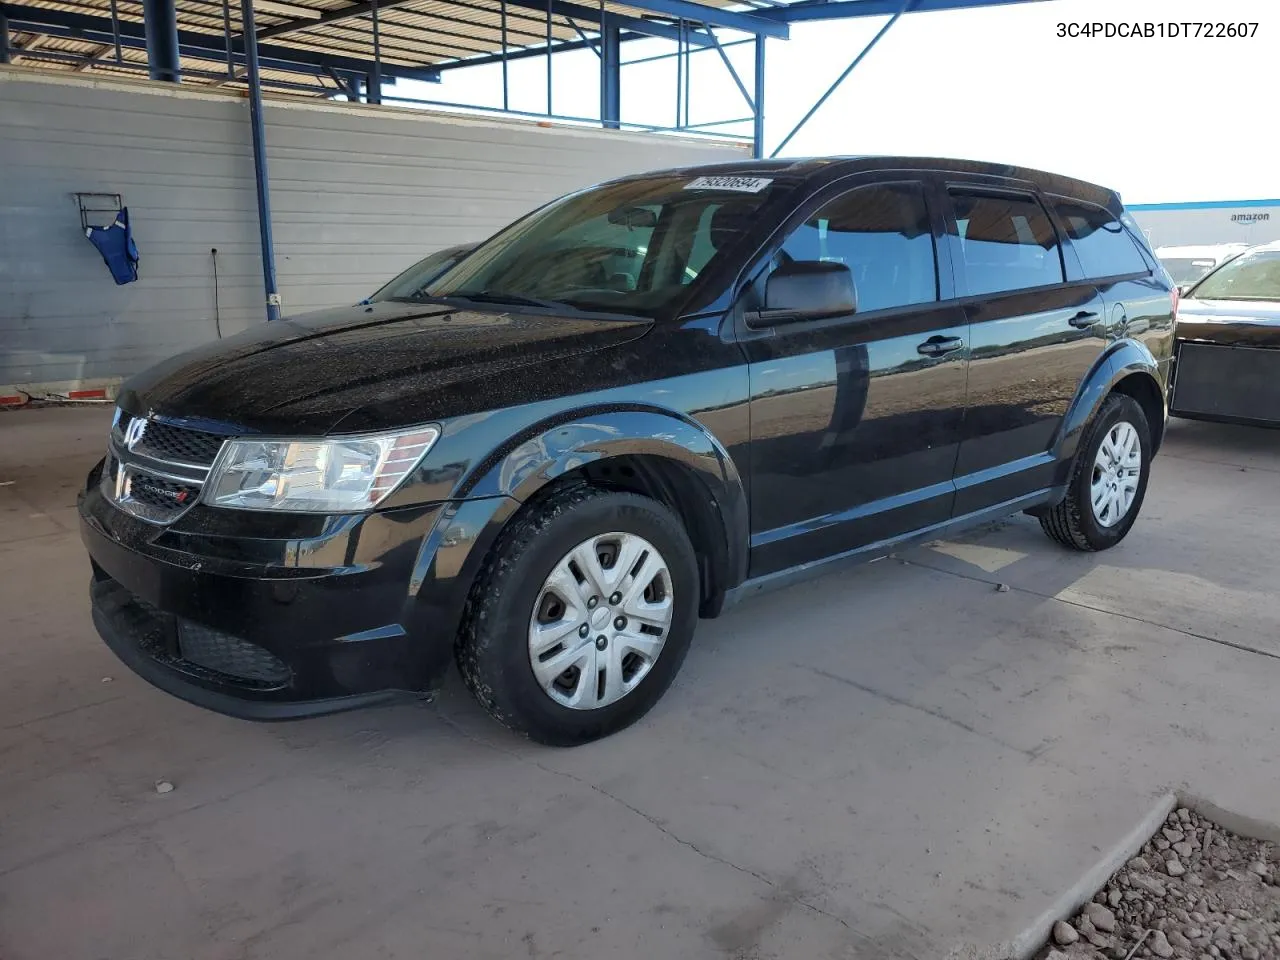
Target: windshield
[(1185, 270), (411, 282), (1252, 276), (630, 247)]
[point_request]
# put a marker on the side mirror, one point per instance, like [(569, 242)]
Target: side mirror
[(806, 290)]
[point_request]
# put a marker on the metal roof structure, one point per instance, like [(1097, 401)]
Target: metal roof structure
[(357, 48), (328, 47)]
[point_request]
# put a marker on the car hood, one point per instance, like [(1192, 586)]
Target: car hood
[(306, 374), (1253, 323)]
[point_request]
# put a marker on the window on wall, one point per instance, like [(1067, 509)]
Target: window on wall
[(1101, 241), (883, 235), (1007, 242)]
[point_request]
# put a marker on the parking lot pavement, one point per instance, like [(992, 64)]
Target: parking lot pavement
[(898, 761)]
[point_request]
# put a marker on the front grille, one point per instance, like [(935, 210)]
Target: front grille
[(160, 492), (166, 442), (223, 653), (155, 470)]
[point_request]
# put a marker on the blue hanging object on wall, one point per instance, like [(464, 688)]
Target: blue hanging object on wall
[(115, 243)]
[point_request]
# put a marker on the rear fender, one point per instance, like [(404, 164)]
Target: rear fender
[(1122, 359)]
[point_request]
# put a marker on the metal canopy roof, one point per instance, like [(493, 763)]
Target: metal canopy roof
[(319, 47)]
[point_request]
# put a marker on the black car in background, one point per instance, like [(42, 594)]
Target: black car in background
[(626, 411), (1227, 365)]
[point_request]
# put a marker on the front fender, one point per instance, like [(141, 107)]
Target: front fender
[(1121, 359), (551, 450)]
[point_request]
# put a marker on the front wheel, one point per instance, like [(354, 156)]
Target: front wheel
[(582, 616), (1108, 479)]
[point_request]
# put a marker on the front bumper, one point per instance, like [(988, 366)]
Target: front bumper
[(335, 613)]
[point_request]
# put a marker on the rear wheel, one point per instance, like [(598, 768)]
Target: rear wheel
[(582, 616), (1108, 479)]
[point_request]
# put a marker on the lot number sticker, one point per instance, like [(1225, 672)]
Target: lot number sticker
[(736, 184)]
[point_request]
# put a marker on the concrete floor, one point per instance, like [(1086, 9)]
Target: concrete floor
[(894, 762)]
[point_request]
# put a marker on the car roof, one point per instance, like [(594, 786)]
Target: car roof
[(817, 171)]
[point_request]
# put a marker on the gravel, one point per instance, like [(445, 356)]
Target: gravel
[(1194, 891)]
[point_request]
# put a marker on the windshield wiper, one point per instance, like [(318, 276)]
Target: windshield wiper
[(418, 297), (513, 299)]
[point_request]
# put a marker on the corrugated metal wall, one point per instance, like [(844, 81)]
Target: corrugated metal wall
[(357, 195)]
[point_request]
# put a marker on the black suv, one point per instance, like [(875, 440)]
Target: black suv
[(625, 411)]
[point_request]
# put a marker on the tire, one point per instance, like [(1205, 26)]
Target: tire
[(1074, 522), (514, 594)]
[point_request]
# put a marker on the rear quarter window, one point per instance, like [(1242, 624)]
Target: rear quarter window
[(1103, 244)]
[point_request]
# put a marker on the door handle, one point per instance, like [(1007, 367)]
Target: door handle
[(937, 346), (1083, 319)]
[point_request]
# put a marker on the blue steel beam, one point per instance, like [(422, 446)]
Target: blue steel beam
[(595, 48), (564, 8), (250, 44), (205, 46), (847, 9), (160, 26), (733, 72), (525, 53), (346, 85), (903, 7), (757, 131), (754, 22), (667, 56), (610, 74), (375, 78)]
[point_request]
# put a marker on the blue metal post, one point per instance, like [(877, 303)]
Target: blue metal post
[(160, 20), (250, 39), (688, 70), (4, 36), (757, 107), (679, 71), (115, 33), (375, 78), (906, 5), (506, 90), (226, 35), (610, 73)]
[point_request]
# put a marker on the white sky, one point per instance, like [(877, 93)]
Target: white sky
[(1158, 120)]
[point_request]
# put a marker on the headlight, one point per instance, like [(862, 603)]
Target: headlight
[(338, 475)]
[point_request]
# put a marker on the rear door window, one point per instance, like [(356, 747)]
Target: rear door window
[(1102, 243), (1007, 242)]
